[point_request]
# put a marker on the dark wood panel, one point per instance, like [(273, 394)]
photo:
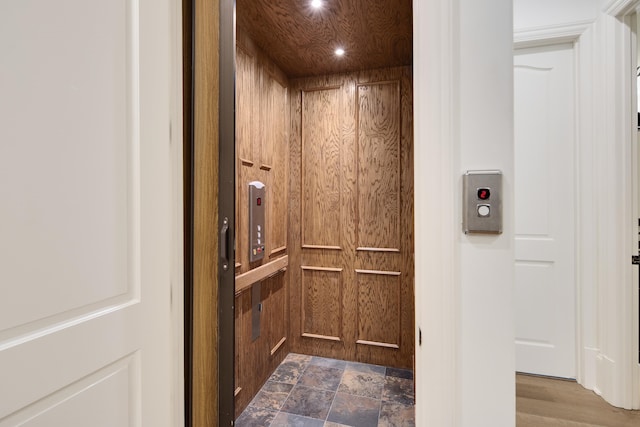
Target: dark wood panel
[(403, 260), (245, 382), (321, 307), (262, 130), (246, 87), (245, 134), (318, 256), (276, 124), (321, 117), (276, 314), (378, 190), (257, 359), (552, 402), (379, 305), (302, 41)]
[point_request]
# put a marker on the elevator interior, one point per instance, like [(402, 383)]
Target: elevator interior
[(324, 184)]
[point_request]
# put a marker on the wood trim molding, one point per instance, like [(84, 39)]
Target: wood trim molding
[(246, 162), (277, 346), (307, 267), (549, 35), (377, 344), (320, 88), (321, 337), (619, 8), (331, 248), (379, 272), (277, 251), (378, 249)]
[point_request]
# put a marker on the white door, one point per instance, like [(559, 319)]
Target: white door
[(544, 210), (85, 218)]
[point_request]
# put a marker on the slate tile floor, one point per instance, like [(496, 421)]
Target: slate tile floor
[(309, 391)]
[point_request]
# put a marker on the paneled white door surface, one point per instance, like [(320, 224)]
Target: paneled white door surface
[(85, 213), (544, 210)]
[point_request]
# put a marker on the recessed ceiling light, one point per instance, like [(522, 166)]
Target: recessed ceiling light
[(339, 51), (316, 4)]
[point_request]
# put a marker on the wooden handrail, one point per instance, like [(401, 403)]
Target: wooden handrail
[(245, 280)]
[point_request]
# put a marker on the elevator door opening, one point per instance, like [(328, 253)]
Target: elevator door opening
[(330, 135)]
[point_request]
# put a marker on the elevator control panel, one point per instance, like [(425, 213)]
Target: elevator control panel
[(482, 202), (256, 221)]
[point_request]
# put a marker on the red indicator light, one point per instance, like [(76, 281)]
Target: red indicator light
[(484, 193), (259, 201)]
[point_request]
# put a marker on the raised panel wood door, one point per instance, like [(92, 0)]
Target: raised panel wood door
[(351, 217)]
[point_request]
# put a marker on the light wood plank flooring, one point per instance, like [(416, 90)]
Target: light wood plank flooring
[(542, 402)]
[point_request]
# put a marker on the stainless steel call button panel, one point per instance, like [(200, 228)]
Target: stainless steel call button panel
[(256, 221), (482, 202)]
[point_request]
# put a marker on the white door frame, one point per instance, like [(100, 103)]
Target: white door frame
[(606, 153), (177, 216), (620, 35)]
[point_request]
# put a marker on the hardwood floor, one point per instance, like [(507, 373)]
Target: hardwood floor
[(542, 402)]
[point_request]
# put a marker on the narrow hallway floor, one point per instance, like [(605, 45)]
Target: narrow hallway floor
[(309, 391)]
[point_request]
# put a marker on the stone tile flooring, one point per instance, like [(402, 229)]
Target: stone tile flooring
[(309, 391)]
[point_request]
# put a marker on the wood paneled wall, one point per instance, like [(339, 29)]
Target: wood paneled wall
[(257, 359), (351, 216), (262, 148)]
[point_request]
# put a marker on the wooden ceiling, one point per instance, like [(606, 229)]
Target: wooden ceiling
[(302, 41)]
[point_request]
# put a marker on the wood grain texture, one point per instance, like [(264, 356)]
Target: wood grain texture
[(277, 135), (246, 362), (245, 134), (379, 308), (378, 165), (321, 181), (205, 215), (257, 359), (275, 313), (542, 402), (262, 146), (358, 315), (262, 128), (402, 261), (301, 41), (258, 274), (317, 255), (321, 302)]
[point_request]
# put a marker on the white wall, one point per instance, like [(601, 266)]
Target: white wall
[(464, 301)]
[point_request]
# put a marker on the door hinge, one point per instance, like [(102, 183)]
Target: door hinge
[(635, 259)]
